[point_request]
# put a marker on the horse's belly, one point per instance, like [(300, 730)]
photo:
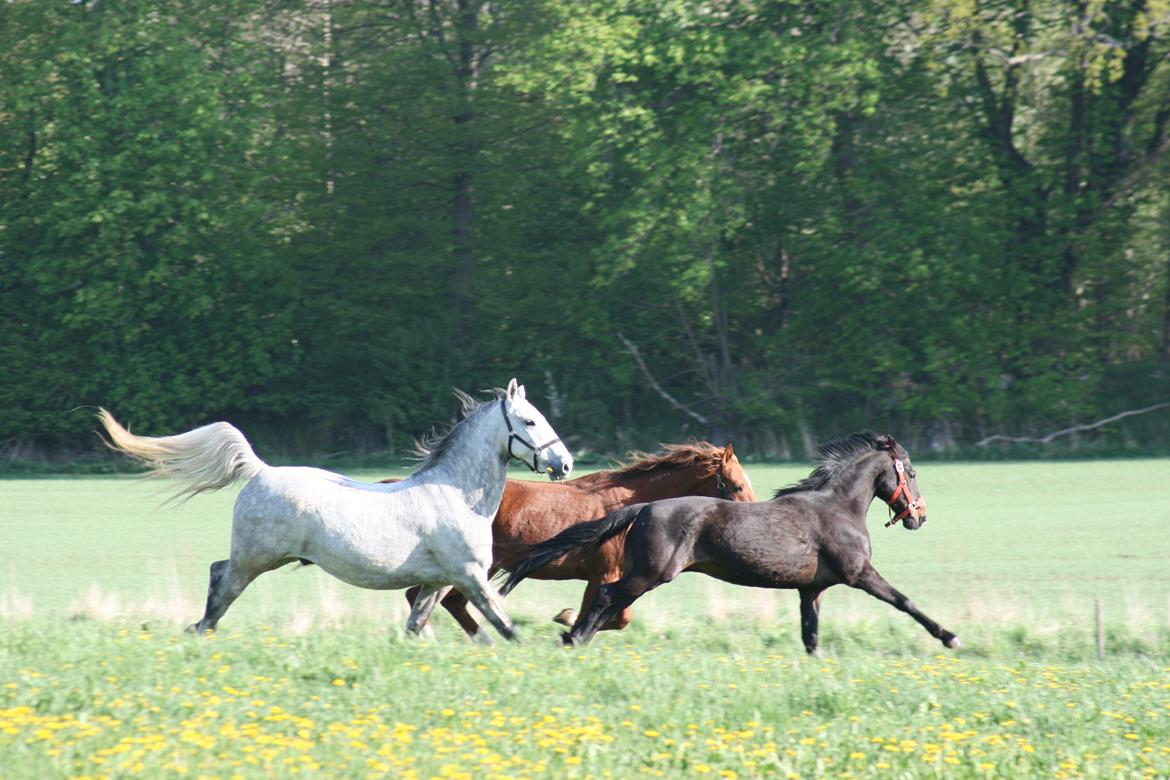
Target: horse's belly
[(375, 577), (372, 562)]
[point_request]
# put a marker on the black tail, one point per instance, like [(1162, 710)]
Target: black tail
[(588, 535)]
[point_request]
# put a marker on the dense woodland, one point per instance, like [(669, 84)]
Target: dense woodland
[(773, 222)]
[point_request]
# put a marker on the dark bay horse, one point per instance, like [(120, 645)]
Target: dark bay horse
[(531, 512), (810, 536)]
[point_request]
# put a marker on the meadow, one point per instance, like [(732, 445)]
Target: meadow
[(310, 676)]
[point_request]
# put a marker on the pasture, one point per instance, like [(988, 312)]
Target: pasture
[(310, 675)]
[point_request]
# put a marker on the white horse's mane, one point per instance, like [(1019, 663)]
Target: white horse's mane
[(430, 448)]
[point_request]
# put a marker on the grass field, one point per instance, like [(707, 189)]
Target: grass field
[(309, 675)]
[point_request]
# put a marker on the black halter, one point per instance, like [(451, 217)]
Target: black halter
[(513, 436)]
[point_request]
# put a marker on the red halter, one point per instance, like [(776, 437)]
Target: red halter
[(903, 488)]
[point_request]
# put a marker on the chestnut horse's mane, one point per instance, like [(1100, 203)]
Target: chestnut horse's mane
[(674, 456)]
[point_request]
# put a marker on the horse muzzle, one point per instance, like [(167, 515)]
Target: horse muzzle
[(913, 523), (558, 468)]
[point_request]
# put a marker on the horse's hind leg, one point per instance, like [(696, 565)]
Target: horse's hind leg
[(616, 621), (612, 600), (426, 631), (567, 617), (227, 582), (224, 587), (875, 585), (426, 599)]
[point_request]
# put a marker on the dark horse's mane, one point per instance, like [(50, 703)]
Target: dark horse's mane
[(673, 456), (834, 457), (437, 442)]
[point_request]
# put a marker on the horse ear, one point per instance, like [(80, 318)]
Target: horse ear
[(520, 392), (728, 453), (512, 389)]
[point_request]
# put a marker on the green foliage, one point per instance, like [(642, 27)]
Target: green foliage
[(935, 217), (137, 251)]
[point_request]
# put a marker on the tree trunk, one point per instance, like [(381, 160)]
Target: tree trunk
[(463, 181)]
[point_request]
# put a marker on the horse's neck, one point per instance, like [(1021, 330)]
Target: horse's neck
[(661, 483), (475, 466), (859, 490)]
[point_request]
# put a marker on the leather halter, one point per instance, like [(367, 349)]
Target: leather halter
[(513, 436), (902, 491)]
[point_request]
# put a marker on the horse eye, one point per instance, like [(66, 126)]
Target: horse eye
[(530, 423), (737, 489)]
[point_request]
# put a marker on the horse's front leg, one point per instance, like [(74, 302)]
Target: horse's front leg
[(810, 617), (473, 583), (875, 585), (455, 603)]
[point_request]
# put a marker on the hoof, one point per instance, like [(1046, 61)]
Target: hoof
[(567, 639), (194, 629), (953, 643), (481, 637), (566, 617)]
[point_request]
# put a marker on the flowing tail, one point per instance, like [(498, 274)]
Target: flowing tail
[(206, 458), (588, 536)]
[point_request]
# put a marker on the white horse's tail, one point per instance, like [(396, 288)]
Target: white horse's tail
[(206, 458)]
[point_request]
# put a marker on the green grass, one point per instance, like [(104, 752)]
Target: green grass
[(1020, 542), (357, 701), (95, 678)]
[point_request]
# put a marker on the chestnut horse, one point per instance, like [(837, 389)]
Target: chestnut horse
[(532, 512)]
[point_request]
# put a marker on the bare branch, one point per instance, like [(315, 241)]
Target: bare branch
[(633, 350), (1074, 429)]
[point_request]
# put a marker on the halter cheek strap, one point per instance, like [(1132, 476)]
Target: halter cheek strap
[(902, 491), (513, 436)]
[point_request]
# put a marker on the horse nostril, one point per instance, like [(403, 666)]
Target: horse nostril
[(566, 468)]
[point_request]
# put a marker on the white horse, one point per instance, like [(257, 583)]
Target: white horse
[(432, 529)]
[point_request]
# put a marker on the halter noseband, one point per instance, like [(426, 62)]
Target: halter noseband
[(513, 436), (902, 491)]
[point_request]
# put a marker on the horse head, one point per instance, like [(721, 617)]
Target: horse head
[(730, 480), (897, 485), (526, 426)]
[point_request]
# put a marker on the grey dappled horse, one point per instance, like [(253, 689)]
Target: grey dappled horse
[(433, 529)]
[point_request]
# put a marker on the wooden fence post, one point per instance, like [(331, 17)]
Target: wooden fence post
[(1100, 625)]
